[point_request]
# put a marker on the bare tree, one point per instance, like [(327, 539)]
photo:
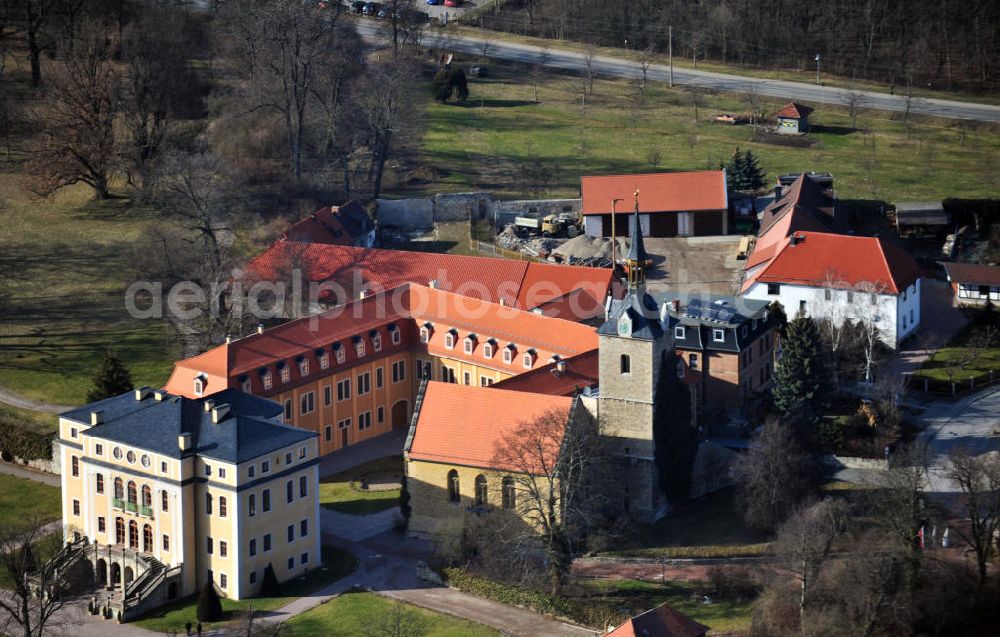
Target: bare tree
[(37, 587), (868, 310), (486, 46), (552, 463), (804, 543), (834, 325), (538, 68), (911, 103), (78, 142), (899, 501), (754, 102), (853, 100), (696, 96), (646, 57), (398, 621), (387, 106), (588, 59), (978, 477)]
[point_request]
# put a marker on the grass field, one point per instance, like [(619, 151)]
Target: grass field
[(172, 617), (337, 493), (354, 613), (64, 265), (959, 361), (722, 616), (22, 500), (505, 142)]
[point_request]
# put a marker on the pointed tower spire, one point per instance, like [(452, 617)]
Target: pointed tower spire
[(636, 258)]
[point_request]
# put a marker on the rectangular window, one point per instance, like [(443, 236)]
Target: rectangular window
[(166, 542), (327, 395), (304, 367), (208, 504), (304, 528), (286, 374), (303, 487), (267, 542), (399, 371), (302, 453), (328, 433), (208, 470), (76, 507), (288, 458), (101, 525), (364, 421), (265, 503), (307, 403), (223, 508), (75, 466), (163, 467), (827, 294), (693, 361), (679, 331), (290, 533), (344, 389), (291, 563), (164, 501), (802, 307), (380, 414), (379, 380), (774, 289), (288, 409), (467, 378), (266, 381), (251, 471), (324, 360), (208, 545), (253, 547), (265, 466), (718, 335), (305, 558), (223, 580), (289, 491), (222, 472), (99, 449), (396, 336), (377, 342), (850, 296), (223, 549), (359, 347), (252, 505), (364, 383)]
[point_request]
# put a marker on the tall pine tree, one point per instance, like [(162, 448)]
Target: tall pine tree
[(674, 438), (112, 378), (753, 175), (803, 380)]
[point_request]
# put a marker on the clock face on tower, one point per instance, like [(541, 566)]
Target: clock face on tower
[(624, 325)]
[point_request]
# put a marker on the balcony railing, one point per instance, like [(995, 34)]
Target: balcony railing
[(131, 507), (117, 504), (146, 511)]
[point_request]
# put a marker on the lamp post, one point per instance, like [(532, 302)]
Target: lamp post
[(817, 69), (613, 239)]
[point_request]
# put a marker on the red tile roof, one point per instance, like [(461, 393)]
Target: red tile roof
[(521, 284), (662, 621), (579, 371), (819, 258), (658, 192), (333, 225), (972, 273), (405, 308), (794, 110), (465, 425)]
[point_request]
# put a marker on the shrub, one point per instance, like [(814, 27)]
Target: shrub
[(735, 583), (22, 442), (209, 605)]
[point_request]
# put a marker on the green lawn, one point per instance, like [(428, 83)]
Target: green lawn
[(505, 142), (354, 613), (634, 596), (22, 499), (959, 361), (708, 527), (342, 492), (32, 420), (172, 617)]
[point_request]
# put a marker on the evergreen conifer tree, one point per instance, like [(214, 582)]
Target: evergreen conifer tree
[(752, 175), (442, 85), (803, 380), (112, 378), (269, 585), (209, 606)]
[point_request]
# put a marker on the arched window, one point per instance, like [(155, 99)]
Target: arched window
[(119, 489), (100, 483), (626, 364), (119, 530), (507, 492), (147, 538), (454, 494), (133, 495), (147, 496), (133, 534), (482, 491)]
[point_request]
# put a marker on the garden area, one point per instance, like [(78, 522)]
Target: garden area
[(365, 489), (971, 355), (171, 618)]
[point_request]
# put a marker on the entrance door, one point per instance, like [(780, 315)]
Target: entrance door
[(684, 224), (344, 435), (399, 414)]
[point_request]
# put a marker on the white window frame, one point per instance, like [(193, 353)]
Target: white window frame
[(680, 332), (718, 335)]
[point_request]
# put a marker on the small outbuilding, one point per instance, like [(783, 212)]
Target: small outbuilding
[(973, 284), (921, 217), (793, 119)]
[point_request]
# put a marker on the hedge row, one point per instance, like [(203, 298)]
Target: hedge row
[(22, 442), (587, 614)]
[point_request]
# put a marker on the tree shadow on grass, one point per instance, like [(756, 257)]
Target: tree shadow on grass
[(832, 130), (472, 102)]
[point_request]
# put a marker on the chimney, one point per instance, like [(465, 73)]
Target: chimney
[(503, 302), (219, 414), (96, 418), (432, 284), (796, 239), (260, 328), (229, 339), (184, 442), (676, 305), (362, 294), (159, 396), (561, 366), (142, 393), (777, 191), (209, 404)]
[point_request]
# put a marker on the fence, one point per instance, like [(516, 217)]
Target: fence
[(928, 385), (482, 247)]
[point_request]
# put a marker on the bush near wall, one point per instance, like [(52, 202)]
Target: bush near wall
[(17, 440), (592, 615)]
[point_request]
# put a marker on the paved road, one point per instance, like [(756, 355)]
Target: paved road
[(21, 471), (14, 400), (574, 61), (966, 423)]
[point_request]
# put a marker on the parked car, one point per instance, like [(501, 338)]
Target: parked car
[(358, 6), (452, 3), (371, 9), (434, 2)]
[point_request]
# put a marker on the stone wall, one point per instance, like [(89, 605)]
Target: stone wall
[(405, 213), (460, 206)]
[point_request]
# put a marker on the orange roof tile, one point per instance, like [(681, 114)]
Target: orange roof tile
[(465, 425), (334, 225), (578, 372), (662, 621), (794, 110), (658, 192)]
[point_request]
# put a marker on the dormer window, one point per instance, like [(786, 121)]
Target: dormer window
[(324, 358), (489, 348), (359, 345), (470, 343), (286, 374), (555, 358), (339, 352), (425, 332), (376, 340), (265, 378), (508, 353), (680, 332), (199, 384), (303, 366), (449, 338), (395, 334), (718, 335), (529, 358)]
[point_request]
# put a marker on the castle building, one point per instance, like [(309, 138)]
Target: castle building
[(163, 493)]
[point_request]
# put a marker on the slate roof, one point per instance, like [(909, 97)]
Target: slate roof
[(250, 429), (644, 312), (659, 192), (698, 333), (636, 248)]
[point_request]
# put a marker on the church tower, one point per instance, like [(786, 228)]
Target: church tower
[(634, 350)]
